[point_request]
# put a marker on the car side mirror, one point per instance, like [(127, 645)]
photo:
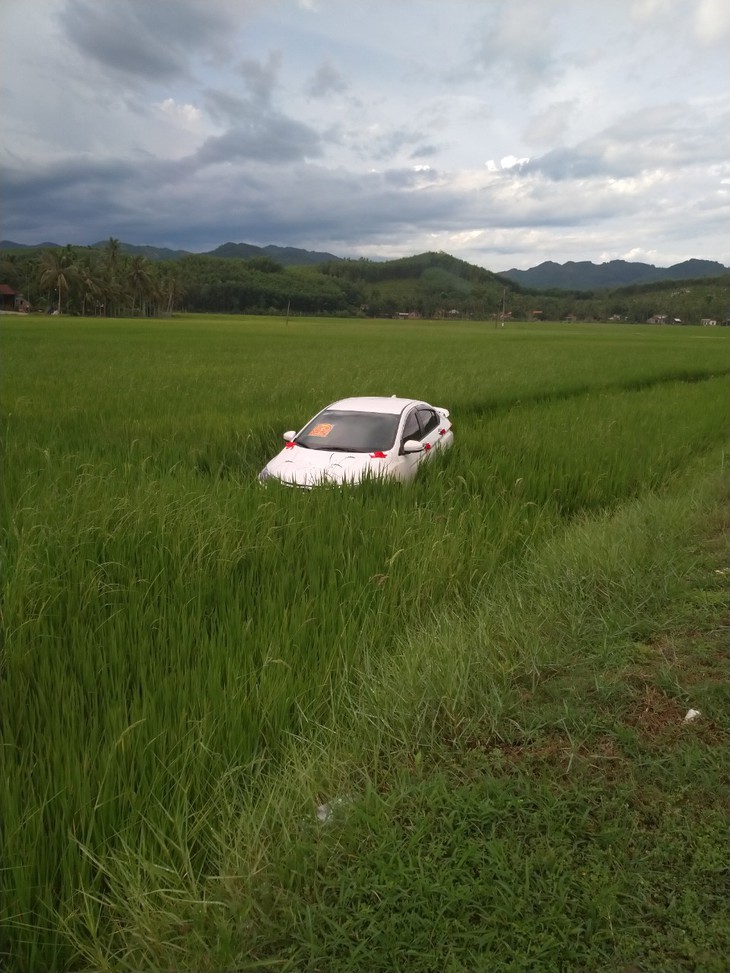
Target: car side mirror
[(412, 446), (289, 436)]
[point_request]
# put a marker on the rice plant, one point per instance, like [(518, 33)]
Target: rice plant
[(171, 627)]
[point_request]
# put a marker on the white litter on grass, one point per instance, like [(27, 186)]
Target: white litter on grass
[(692, 715), (325, 812)]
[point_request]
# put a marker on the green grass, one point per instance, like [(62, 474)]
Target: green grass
[(191, 663)]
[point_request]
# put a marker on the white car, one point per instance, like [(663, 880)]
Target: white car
[(359, 438)]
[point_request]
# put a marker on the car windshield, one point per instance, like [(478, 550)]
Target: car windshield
[(357, 432)]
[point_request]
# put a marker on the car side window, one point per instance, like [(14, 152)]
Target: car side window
[(429, 420), (411, 429)]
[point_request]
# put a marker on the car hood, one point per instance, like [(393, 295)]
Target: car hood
[(311, 467)]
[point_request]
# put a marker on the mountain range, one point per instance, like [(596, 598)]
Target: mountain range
[(286, 256), (584, 275), (580, 275)]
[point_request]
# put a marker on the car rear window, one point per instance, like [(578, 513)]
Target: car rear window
[(357, 432)]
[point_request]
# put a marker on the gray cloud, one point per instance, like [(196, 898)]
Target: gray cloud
[(550, 125), (225, 107), (326, 80), (389, 144), (425, 152), (668, 136), (263, 136), (53, 196), (295, 204), (409, 178), (579, 162), (516, 43), (261, 77), (142, 39)]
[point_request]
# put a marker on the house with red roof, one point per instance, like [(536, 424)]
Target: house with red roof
[(11, 300)]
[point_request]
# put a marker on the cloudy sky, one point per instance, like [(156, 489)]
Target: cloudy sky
[(505, 132)]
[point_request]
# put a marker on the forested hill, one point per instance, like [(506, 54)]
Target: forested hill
[(286, 256), (584, 275), (425, 285)]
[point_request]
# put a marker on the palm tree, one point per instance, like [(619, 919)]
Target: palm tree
[(139, 281), (57, 271), (90, 284), (112, 250), (172, 286), (112, 254)]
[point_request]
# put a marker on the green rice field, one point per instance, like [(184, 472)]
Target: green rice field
[(480, 679)]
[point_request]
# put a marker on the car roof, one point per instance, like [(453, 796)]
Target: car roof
[(391, 405)]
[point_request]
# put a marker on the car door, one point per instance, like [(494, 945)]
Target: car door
[(430, 423), (408, 462)]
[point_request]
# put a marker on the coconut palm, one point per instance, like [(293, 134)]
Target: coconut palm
[(112, 250), (139, 281), (172, 286), (112, 284), (89, 283), (58, 271)]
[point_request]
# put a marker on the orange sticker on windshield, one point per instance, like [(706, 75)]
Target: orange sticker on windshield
[(323, 429)]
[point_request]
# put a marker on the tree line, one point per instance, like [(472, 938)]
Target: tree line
[(105, 281), (89, 281)]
